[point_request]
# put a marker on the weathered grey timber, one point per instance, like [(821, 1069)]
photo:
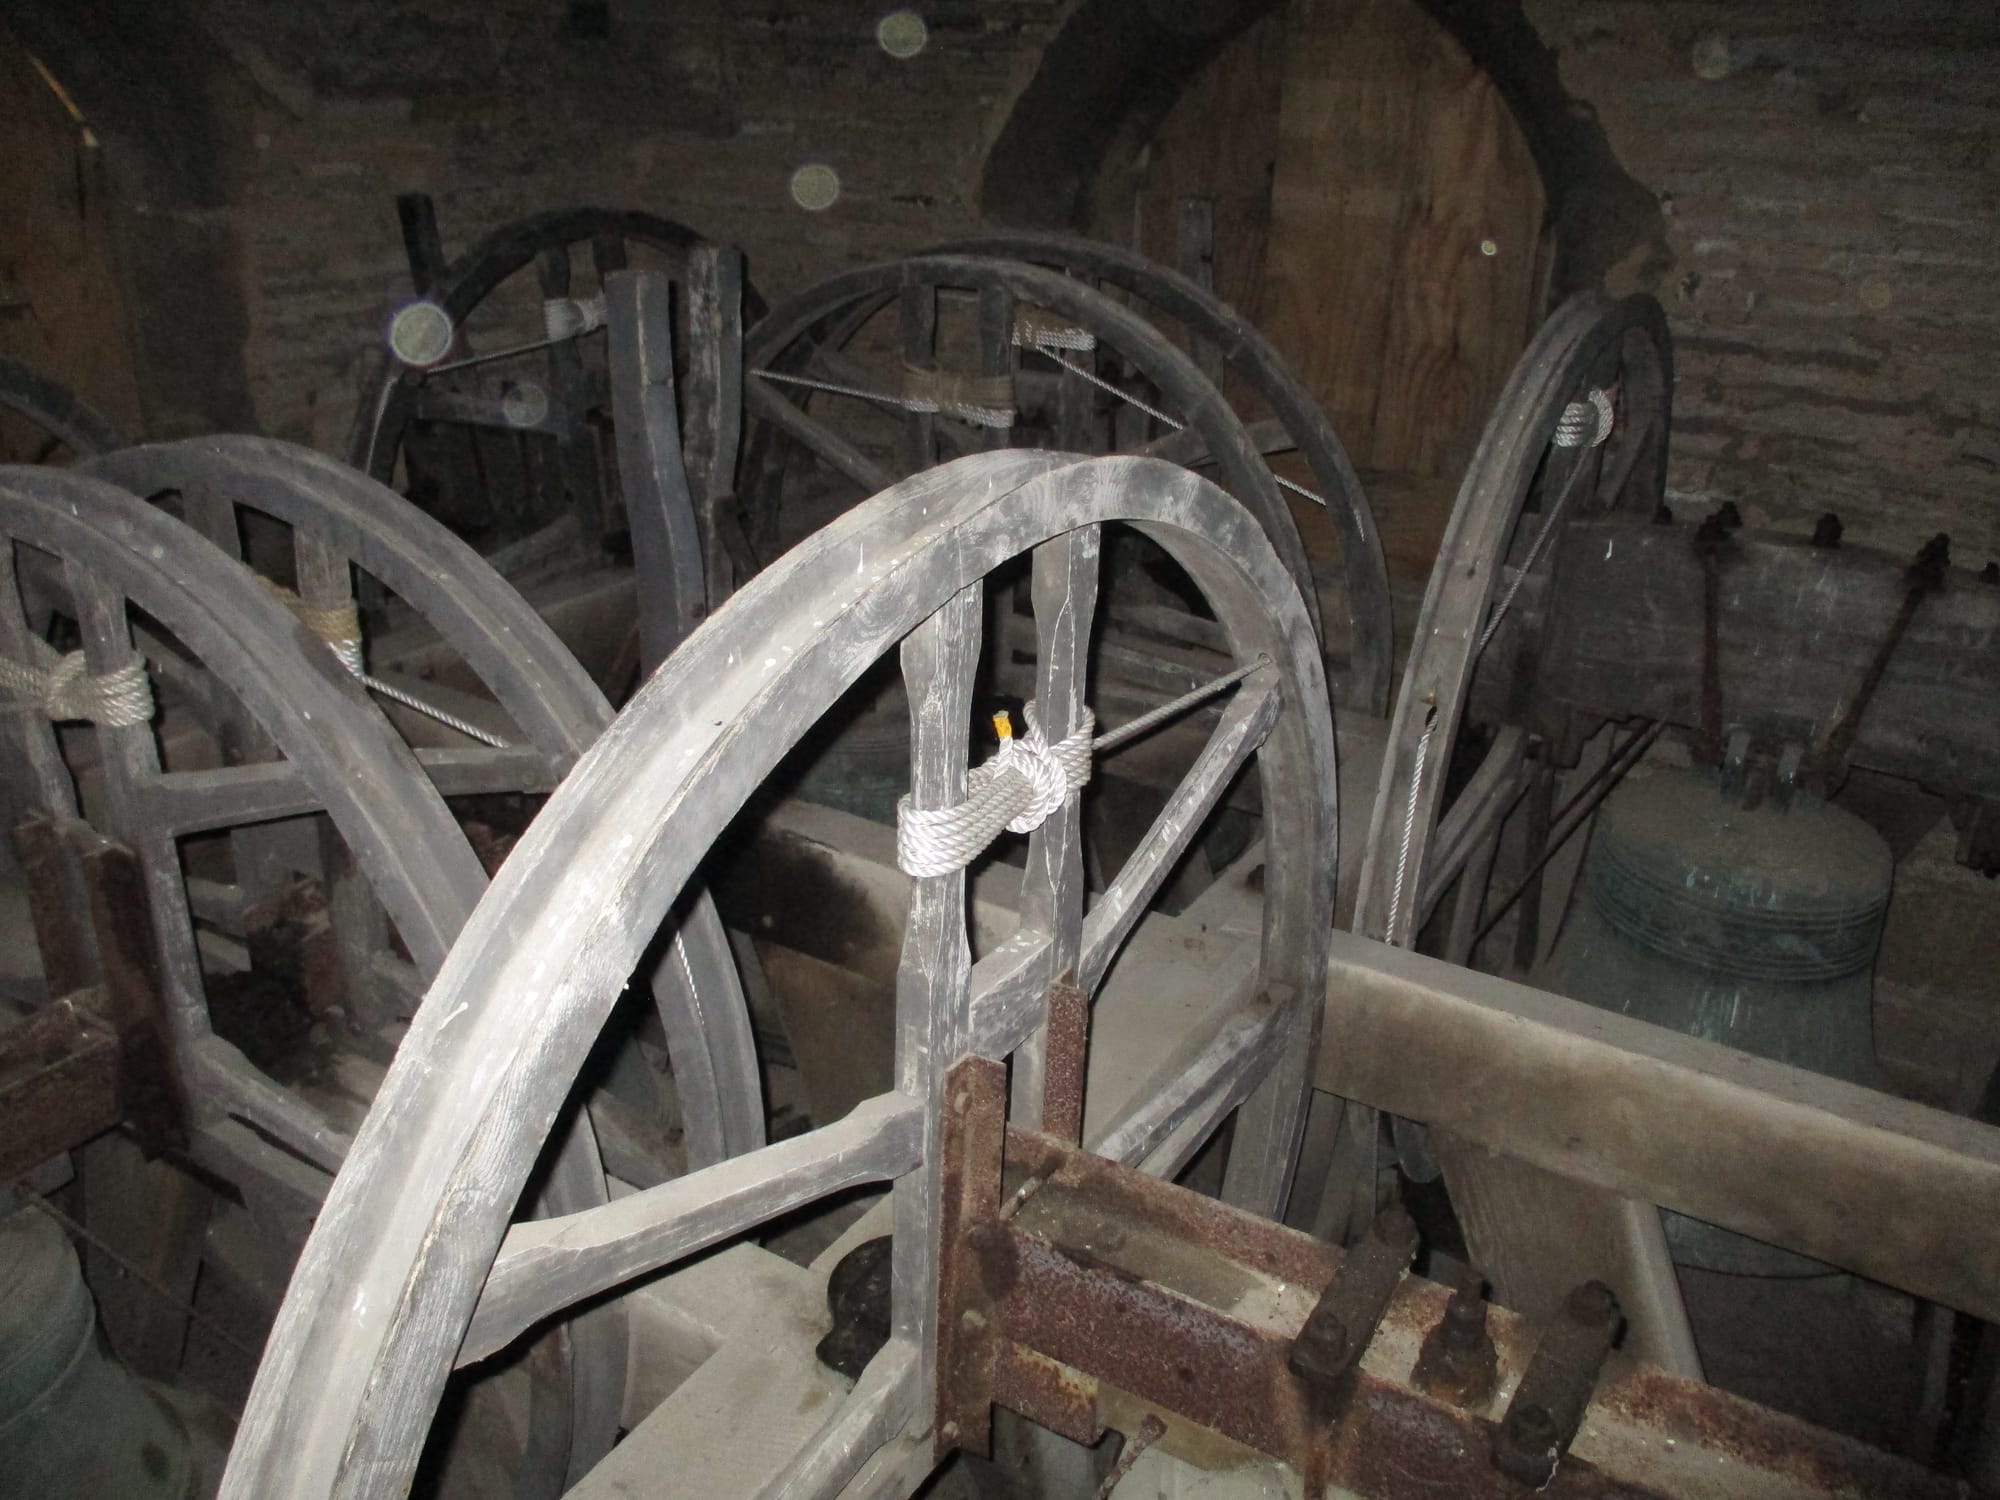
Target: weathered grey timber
[(342, 517), (1220, 339), (801, 335), (341, 756), (393, 1276), (1580, 429), (399, 393), (1902, 1193), (69, 421), (1590, 342)]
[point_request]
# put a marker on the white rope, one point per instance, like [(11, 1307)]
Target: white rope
[(933, 402), (1029, 779), (63, 688), (1571, 431), (1015, 790), (985, 400), (569, 317), (1036, 329), (1156, 414), (1409, 829)]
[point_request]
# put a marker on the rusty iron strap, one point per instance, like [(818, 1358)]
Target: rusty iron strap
[(1068, 1043), (1351, 1307), (1549, 1403)]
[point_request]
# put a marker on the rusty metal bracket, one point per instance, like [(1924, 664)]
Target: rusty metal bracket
[(1086, 1295), (1549, 1403), (1351, 1308)]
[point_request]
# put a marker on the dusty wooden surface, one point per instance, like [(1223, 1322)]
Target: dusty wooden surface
[(1902, 1193)]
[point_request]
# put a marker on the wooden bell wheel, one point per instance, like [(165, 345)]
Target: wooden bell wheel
[(1581, 428), (223, 651), (343, 525), (835, 374), (413, 1268), (492, 398), (59, 424), (1238, 358)]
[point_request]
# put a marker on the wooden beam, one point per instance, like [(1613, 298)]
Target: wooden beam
[(1797, 624), (1896, 1191)]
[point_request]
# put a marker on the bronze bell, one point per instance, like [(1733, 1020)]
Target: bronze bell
[(1755, 926)]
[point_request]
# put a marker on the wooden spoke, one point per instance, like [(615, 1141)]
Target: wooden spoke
[(1163, 1132), (1008, 989), (826, 315), (227, 1077), (1246, 722), (879, 1409), (1065, 576), (940, 659), (916, 322), (29, 738), (659, 507), (546, 1265), (714, 408), (608, 253), (184, 802), (814, 434)]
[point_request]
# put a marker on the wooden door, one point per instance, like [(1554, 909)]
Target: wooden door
[(1378, 214), (62, 310)]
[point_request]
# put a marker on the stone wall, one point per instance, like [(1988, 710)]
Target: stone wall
[(1826, 171), (696, 109), (1829, 179)]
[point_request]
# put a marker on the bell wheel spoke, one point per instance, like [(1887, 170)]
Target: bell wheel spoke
[(546, 1265), (1245, 724), (1064, 587)]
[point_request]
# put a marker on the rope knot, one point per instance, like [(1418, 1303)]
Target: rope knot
[(1016, 790), (63, 688), (1051, 772)]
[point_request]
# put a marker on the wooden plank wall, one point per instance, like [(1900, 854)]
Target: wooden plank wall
[(1359, 164)]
